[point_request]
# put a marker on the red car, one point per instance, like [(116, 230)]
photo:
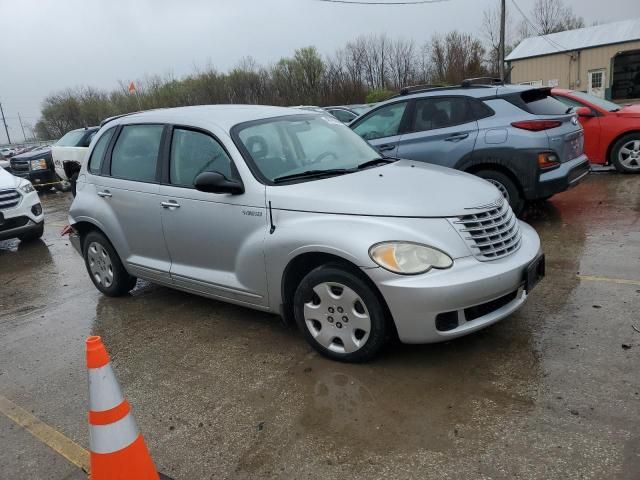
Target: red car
[(611, 132)]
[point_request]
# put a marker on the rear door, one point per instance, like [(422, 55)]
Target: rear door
[(128, 202), (442, 131), (383, 127)]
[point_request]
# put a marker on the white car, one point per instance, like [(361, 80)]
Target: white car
[(69, 152), (7, 152), (21, 213)]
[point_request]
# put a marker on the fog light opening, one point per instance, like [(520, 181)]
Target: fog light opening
[(447, 321), (36, 209)]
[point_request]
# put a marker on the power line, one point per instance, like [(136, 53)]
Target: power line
[(357, 2)]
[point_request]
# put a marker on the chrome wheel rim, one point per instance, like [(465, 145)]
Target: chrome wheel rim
[(337, 318), (100, 264), (501, 187), (629, 155)]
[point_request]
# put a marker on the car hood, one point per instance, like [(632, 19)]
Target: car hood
[(630, 111), (7, 180), (33, 155), (401, 189)]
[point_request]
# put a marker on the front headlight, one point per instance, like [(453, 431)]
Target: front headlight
[(408, 258), (27, 187), (40, 164)]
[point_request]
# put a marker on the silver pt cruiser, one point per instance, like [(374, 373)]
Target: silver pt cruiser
[(291, 212)]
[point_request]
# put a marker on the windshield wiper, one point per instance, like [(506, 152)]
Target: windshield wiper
[(313, 173), (377, 161)]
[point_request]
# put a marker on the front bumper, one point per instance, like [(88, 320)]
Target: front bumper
[(415, 302), (566, 176), (21, 219), (39, 178)]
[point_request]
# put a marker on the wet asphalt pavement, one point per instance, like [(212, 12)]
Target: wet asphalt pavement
[(220, 391)]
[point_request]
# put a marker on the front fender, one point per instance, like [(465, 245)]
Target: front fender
[(348, 237)]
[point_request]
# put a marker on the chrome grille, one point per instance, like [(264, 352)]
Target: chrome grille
[(491, 234), (9, 199)]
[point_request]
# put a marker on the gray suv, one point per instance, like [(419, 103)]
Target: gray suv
[(288, 211), (519, 138)]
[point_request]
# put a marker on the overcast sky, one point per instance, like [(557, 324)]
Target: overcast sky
[(49, 45)]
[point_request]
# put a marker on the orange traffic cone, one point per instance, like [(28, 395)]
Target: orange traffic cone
[(118, 451)]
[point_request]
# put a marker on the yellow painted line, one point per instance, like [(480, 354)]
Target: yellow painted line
[(46, 434), (621, 281)]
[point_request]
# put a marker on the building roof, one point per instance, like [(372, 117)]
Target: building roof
[(581, 38)]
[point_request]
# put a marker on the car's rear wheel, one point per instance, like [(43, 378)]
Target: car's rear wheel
[(625, 154), (507, 188), (340, 315), (104, 266)]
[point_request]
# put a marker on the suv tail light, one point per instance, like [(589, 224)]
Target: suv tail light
[(537, 125)]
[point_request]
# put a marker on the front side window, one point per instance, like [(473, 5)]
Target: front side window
[(568, 101), (193, 153), (296, 144), (433, 113), (135, 154), (95, 162), (384, 122)]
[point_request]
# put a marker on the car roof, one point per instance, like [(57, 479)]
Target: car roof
[(223, 116)]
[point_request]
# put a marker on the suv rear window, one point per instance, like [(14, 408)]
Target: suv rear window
[(540, 102)]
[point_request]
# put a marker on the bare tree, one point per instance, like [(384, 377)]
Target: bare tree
[(551, 16), (402, 64), (456, 56)]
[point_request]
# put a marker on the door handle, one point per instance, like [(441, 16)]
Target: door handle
[(386, 148), (457, 137), (171, 204), (104, 194)]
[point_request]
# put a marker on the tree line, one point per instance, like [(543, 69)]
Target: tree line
[(367, 69)]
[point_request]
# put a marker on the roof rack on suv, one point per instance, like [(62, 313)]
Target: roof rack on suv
[(422, 88), (481, 82), (115, 117)]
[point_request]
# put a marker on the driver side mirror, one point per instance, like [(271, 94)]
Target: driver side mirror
[(215, 182), (585, 112)]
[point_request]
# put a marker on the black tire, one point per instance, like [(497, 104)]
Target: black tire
[(121, 282), (34, 234), (371, 304), (633, 164), (505, 185), (73, 180)]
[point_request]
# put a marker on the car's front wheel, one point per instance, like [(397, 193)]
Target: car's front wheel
[(340, 315), (507, 188), (625, 154), (105, 267)]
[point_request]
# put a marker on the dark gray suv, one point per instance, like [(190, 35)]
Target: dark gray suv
[(519, 138)]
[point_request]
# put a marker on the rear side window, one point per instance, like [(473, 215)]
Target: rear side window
[(539, 102), (71, 139), (479, 109), (135, 154), (384, 122), (343, 115), (193, 153), (95, 162), (434, 113)]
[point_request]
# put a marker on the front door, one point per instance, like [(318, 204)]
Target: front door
[(442, 131), (597, 82), (382, 127), (128, 200), (215, 240)]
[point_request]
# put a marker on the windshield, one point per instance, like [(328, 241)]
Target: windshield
[(295, 144), (597, 101)]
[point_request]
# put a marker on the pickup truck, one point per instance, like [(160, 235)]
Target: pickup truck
[(69, 152)]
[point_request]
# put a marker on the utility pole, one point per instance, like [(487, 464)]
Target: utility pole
[(22, 127), (6, 129), (503, 17)]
